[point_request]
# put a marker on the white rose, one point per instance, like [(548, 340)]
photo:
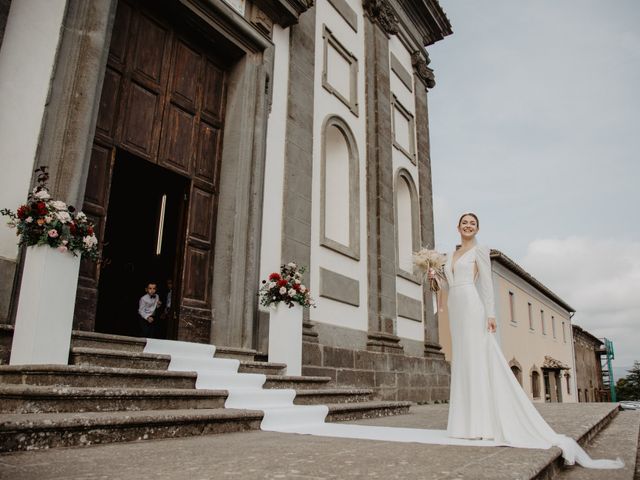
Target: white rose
[(81, 217), (28, 219), (292, 292), (43, 194), (303, 288), (272, 284), (297, 282), (59, 205), (89, 241), (282, 290), (291, 265), (64, 217)]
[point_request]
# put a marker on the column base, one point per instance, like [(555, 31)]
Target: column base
[(309, 333), (384, 342), (433, 350)]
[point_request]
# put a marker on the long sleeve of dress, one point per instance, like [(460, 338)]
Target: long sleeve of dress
[(485, 283)]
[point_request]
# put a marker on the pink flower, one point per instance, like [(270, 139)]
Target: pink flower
[(53, 233)]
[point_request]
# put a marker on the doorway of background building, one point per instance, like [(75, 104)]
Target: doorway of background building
[(144, 233)]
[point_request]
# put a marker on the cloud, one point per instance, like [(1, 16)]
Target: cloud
[(600, 278)]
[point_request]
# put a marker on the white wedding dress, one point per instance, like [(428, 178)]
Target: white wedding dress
[(486, 400)]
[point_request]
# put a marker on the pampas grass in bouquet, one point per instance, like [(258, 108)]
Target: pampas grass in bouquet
[(430, 261)]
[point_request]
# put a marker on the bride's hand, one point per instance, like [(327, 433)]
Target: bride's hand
[(491, 325)]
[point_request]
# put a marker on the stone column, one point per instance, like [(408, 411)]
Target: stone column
[(424, 79), (296, 212), (380, 22), (67, 135)]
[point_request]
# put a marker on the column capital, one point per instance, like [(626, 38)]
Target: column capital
[(382, 13), (420, 61)]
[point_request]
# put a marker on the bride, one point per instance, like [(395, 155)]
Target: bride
[(486, 400)]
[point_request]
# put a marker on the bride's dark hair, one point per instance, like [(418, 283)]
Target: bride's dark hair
[(470, 215)]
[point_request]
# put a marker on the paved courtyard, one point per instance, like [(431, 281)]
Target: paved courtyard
[(267, 455)]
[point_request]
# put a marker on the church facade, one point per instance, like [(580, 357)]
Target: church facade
[(213, 140)]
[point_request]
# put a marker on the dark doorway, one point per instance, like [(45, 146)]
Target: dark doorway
[(142, 243), (163, 101)]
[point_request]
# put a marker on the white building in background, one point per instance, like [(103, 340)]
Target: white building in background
[(534, 331)]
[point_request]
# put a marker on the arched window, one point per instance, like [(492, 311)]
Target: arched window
[(407, 221), (517, 373), (516, 368), (340, 189), (535, 384)]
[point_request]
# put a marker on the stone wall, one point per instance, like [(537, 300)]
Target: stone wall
[(588, 368), (391, 376)]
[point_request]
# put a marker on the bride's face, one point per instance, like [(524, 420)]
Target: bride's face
[(468, 227)]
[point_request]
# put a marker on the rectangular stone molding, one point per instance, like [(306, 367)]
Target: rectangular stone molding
[(346, 12), (401, 72), (409, 308), (341, 83), (403, 129), (339, 287)]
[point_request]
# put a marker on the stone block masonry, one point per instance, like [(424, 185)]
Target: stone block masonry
[(391, 376)]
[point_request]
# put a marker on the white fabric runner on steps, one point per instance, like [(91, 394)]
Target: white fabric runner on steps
[(245, 391)]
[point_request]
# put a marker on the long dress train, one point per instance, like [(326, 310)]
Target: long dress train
[(486, 401)]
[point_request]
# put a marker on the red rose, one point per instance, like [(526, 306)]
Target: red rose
[(282, 283), (296, 287), (72, 228), (90, 230), (42, 208), (274, 276), (22, 212)]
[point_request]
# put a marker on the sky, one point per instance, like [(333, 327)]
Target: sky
[(534, 126)]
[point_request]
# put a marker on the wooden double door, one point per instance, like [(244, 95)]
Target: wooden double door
[(162, 107)]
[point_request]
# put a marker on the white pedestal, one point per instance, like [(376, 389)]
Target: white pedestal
[(285, 337), (44, 318)]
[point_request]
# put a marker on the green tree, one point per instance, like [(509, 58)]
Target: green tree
[(628, 388)]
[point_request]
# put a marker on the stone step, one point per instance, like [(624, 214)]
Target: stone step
[(50, 430), (135, 344), (94, 376), (333, 395), (105, 341), (618, 439), (56, 399), (128, 359), (344, 412)]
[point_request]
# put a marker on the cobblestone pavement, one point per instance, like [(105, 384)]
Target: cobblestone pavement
[(268, 455)]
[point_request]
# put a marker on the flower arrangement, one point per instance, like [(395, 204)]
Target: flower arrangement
[(44, 221), (431, 262), (286, 287)]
